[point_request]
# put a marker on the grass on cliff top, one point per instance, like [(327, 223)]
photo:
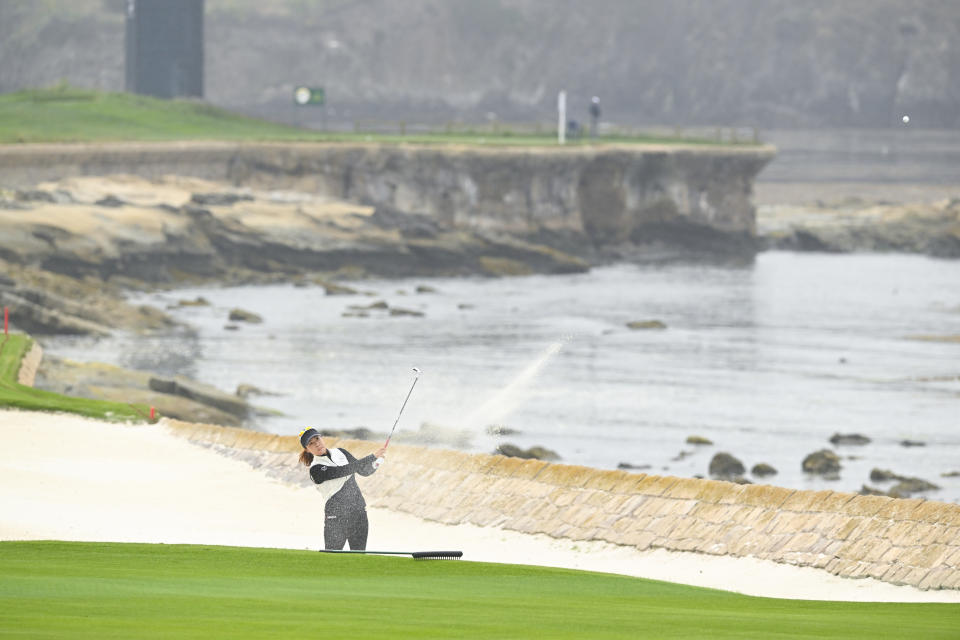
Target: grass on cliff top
[(110, 590), (67, 114), (17, 396)]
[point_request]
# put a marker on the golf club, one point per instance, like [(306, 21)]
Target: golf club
[(416, 376)]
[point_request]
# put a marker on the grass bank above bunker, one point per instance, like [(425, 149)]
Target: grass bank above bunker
[(18, 396)]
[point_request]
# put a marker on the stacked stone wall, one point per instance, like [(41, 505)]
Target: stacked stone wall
[(901, 541), (29, 364)]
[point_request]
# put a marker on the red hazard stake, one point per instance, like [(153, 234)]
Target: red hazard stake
[(6, 320), (153, 412)]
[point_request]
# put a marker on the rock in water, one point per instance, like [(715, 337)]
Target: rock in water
[(849, 438), (535, 453), (883, 475), (724, 465), (909, 486), (763, 469), (823, 462), (646, 324), (241, 315)]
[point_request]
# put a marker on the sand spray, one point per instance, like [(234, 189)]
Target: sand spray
[(503, 402)]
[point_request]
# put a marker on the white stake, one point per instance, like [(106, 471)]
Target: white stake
[(562, 117)]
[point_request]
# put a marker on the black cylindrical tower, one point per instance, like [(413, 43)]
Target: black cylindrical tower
[(164, 44)]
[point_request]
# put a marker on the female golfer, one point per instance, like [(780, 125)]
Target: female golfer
[(332, 470)]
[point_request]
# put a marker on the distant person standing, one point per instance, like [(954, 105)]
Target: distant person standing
[(594, 115), (345, 510)]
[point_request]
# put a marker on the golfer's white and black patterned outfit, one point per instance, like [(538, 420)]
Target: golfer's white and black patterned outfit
[(345, 509)]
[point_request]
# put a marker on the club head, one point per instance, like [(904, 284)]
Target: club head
[(416, 371)]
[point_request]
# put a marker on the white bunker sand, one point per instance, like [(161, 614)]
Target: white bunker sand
[(63, 477)]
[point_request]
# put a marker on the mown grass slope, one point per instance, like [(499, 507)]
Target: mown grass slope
[(95, 590), (65, 114), (17, 396)]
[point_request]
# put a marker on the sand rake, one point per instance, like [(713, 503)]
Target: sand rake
[(417, 555)]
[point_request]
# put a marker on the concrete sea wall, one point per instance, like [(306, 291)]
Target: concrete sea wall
[(27, 372), (612, 193), (901, 541)]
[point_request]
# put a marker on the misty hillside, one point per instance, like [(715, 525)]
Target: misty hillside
[(770, 63)]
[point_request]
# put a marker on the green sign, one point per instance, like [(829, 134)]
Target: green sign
[(306, 96)]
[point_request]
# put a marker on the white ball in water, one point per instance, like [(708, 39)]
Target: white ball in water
[(906, 119)]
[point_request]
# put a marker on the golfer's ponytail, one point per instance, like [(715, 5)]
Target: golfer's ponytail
[(306, 458)]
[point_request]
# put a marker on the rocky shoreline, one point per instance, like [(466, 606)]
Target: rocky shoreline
[(180, 230), (825, 463), (858, 225), (71, 249)]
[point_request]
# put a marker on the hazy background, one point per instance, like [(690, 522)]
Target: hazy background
[(767, 359), (776, 64)]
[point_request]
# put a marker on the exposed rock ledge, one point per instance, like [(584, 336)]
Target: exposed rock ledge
[(930, 228), (606, 194), (177, 397), (176, 229), (69, 248)]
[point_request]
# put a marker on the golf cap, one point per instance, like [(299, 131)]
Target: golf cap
[(307, 435)]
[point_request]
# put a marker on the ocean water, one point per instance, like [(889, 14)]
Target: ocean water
[(767, 361)]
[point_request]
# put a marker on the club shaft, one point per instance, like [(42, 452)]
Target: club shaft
[(401, 410)]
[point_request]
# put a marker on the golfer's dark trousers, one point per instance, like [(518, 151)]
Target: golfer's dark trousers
[(346, 526)]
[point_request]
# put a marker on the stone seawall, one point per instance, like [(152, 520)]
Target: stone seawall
[(901, 541), (29, 365), (612, 193)]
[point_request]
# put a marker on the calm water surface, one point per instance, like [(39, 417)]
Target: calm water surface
[(767, 361)]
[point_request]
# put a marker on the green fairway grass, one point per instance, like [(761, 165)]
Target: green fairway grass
[(95, 590), (17, 396), (68, 114)]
